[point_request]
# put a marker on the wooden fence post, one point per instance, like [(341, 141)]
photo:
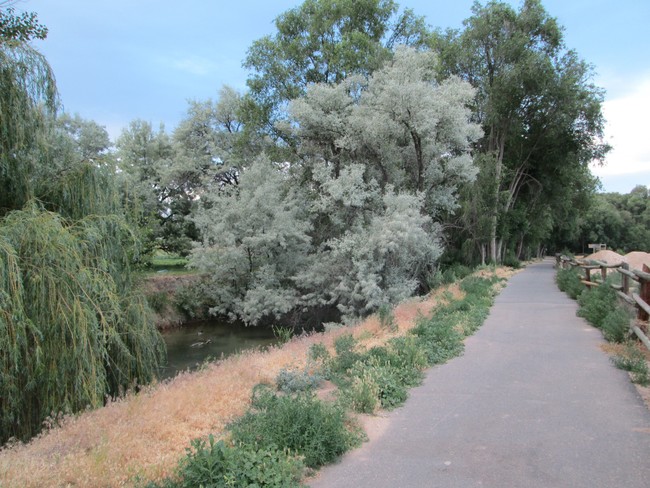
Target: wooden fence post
[(644, 293), (603, 273), (625, 279)]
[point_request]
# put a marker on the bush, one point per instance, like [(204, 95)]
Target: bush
[(441, 340), (292, 381), (217, 465), (596, 303), (616, 324), (362, 392), (569, 281), (386, 318), (316, 430), (511, 261)]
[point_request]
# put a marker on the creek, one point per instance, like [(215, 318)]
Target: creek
[(191, 345)]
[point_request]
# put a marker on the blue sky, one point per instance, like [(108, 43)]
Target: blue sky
[(119, 60)]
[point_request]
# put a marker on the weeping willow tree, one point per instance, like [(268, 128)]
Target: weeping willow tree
[(72, 327)]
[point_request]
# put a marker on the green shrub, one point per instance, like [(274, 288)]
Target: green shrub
[(293, 381), (616, 324), (314, 429), (434, 280), (634, 361), (569, 281), (596, 304), (407, 356), (511, 261), (214, 464), (441, 340), (362, 392)]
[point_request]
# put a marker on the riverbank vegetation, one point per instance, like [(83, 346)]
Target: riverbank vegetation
[(370, 157), (143, 436)]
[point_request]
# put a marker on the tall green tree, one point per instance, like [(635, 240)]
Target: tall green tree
[(540, 113), (323, 41)]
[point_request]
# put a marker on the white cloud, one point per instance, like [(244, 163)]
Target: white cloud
[(627, 131)]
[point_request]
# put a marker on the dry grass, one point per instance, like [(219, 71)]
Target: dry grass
[(145, 434)]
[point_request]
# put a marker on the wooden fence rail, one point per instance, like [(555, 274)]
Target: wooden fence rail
[(632, 281)]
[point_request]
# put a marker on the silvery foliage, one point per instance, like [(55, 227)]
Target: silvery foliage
[(379, 256), (351, 225), (255, 239), (410, 131)]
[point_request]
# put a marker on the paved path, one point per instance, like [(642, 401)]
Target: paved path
[(533, 402)]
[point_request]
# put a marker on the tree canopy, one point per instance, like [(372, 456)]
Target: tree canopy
[(72, 327), (541, 118)]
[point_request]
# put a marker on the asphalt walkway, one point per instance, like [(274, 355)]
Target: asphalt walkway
[(533, 402)]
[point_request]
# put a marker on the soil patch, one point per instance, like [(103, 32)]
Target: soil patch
[(636, 259), (606, 256)]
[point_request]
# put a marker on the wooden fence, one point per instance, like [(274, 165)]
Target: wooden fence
[(634, 288)]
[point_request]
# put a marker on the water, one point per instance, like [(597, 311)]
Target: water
[(188, 346)]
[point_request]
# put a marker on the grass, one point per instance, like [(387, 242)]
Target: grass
[(143, 436)]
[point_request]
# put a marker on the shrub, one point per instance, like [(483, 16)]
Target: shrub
[(362, 392), (595, 304), (616, 324), (569, 281), (511, 261), (282, 334), (217, 465), (442, 342), (292, 381), (314, 429)]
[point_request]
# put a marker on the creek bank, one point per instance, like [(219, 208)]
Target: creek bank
[(161, 290)]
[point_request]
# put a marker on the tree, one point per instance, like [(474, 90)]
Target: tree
[(410, 131), (350, 225), (540, 114), (21, 28), (255, 240), (323, 41), (72, 327)]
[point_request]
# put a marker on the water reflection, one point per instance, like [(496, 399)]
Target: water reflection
[(189, 346)]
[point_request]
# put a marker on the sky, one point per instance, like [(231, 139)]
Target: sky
[(120, 60)]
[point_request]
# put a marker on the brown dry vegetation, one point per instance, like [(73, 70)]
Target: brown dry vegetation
[(146, 434)]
